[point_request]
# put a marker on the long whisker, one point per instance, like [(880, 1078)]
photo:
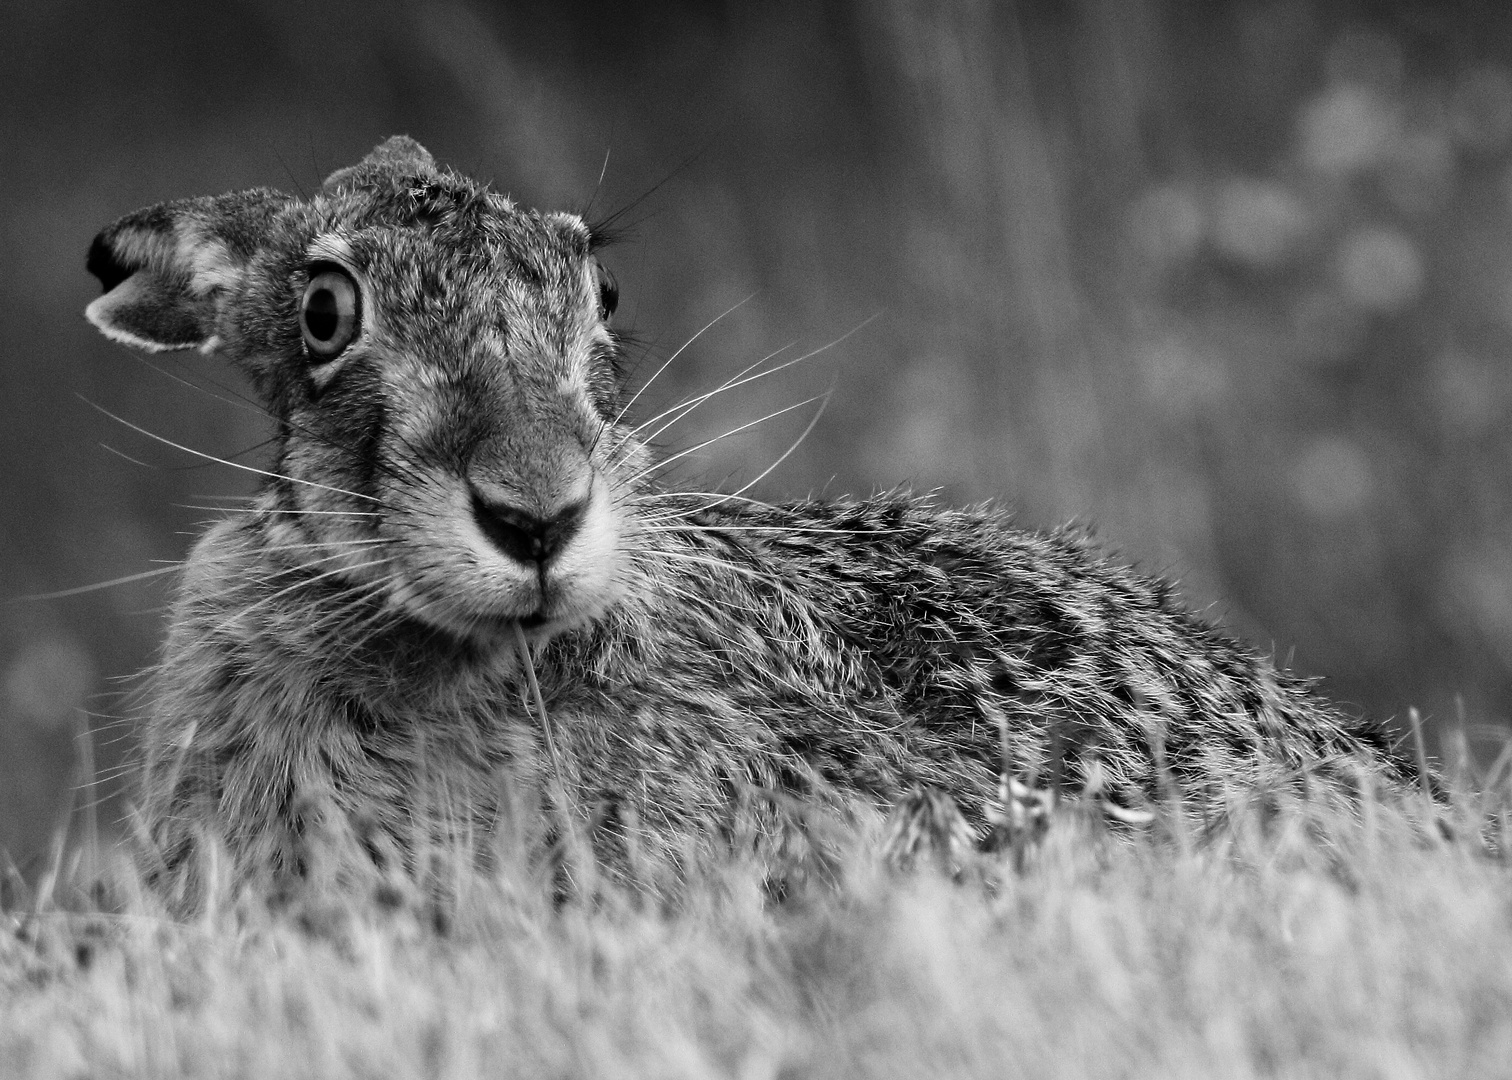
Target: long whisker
[(658, 466), (680, 350), (278, 575), (184, 468), (804, 434), (229, 396), (222, 461), (706, 602), (365, 541), (353, 596), (651, 496), (236, 398), (737, 381), (679, 526), (81, 589), (122, 454), (683, 408), (278, 510), (302, 582), (353, 632), (211, 558), (718, 564), (346, 635)]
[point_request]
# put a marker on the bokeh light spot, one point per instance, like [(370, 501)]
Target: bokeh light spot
[(1347, 128), (1479, 583), (1259, 223), (1379, 269)]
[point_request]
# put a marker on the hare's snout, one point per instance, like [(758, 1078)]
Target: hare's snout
[(524, 536), (533, 541)]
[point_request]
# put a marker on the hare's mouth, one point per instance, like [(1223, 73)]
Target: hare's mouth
[(477, 569), (542, 612)]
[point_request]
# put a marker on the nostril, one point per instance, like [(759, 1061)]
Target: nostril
[(524, 536), (564, 526), (516, 534)]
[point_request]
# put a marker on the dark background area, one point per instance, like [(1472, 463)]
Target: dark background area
[(1232, 281)]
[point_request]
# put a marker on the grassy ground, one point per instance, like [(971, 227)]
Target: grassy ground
[(1299, 942)]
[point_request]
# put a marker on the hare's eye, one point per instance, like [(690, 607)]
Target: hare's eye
[(328, 313), (608, 290)]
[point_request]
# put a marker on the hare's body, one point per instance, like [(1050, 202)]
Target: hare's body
[(453, 477), (868, 646)]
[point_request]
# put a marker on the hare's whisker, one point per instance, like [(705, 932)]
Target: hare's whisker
[(737, 380), (673, 459), (679, 351), (81, 589), (122, 454), (302, 582), (708, 603), (340, 617), (223, 461), (680, 525), (685, 407), (235, 398), (804, 434), (718, 564), (681, 495), (277, 510)]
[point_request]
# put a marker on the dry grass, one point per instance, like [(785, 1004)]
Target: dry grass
[(1298, 942)]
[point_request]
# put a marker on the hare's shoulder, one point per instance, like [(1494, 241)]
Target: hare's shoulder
[(250, 591), (222, 567), (900, 545)]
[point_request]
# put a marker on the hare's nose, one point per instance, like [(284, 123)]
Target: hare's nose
[(524, 536)]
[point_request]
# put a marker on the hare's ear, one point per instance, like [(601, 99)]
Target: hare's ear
[(167, 269), (399, 155)]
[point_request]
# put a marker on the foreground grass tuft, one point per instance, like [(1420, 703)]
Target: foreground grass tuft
[(1295, 942)]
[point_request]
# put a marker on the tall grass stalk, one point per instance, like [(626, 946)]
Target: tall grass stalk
[(1297, 939)]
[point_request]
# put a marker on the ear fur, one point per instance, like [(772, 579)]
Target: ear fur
[(398, 155), (165, 269)]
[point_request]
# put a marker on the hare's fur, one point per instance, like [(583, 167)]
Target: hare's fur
[(350, 638)]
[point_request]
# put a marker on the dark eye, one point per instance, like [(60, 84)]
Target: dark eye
[(608, 291), (329, 314)]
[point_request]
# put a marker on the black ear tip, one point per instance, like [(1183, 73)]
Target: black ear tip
[(103, 264)]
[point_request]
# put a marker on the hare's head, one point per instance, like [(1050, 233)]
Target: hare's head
[(441, 371)]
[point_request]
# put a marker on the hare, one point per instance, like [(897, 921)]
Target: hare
[(460, 574)]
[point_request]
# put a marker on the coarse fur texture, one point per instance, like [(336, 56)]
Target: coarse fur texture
[(459, 473)]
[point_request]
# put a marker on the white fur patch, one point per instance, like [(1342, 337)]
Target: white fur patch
[(331, 247), (101, 310), (208, 260)]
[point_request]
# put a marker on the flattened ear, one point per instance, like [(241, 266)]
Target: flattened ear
[(398, 155), (166, 269)]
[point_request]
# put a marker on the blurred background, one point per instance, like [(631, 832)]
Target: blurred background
[(1232, 281)]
